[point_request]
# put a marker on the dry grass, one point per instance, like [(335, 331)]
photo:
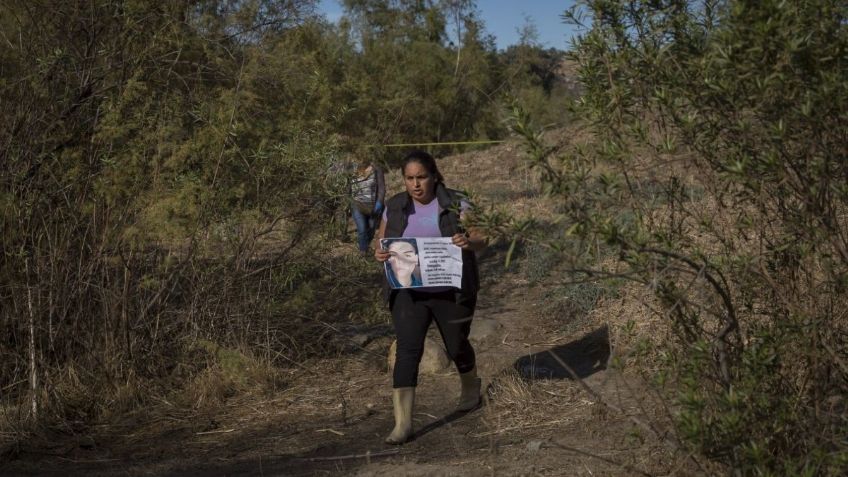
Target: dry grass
[(514, 404)]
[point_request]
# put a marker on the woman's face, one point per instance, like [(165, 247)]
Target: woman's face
[(419, 183), (403, 260)]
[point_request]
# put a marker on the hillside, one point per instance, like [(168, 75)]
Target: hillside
[(666, 291), (329, 415)]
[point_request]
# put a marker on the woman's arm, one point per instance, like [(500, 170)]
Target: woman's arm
[(380, 254), (473, 239), (381, 184)]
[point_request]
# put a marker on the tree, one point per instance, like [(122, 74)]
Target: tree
[(717, 177), (410, 87), (135, 187)]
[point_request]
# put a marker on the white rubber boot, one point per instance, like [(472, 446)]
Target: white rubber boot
[(403, 400), (470, 397)]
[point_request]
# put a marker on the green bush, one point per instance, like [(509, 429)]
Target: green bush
[(735, 112), (150, 196)]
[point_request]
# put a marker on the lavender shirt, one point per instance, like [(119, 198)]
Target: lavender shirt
[(424, 220)]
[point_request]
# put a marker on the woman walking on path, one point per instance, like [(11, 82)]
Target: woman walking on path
[(429, 209), (368, 192)]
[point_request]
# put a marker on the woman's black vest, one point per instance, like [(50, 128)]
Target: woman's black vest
[(398, 209)]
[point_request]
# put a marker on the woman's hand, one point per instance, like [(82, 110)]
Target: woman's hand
[(461, 240), (381, 255), (471, 241)]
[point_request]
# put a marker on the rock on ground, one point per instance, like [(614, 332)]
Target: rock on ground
[(434, 360), (483, 329)]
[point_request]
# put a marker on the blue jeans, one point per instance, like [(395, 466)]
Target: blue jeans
[(366, 225)]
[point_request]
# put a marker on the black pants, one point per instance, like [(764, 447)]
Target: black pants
[(412, 313)]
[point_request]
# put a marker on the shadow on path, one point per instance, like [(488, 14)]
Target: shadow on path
[(444, 421), (581, 358)]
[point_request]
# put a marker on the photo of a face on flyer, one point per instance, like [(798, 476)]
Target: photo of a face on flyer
[(403, 269)]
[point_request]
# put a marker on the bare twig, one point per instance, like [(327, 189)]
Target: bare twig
[(365, 455), (600, 457), (338, 433), (600, 400), (731, 322), (220, 431)]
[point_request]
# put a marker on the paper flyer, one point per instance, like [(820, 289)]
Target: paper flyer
[(423, 262)]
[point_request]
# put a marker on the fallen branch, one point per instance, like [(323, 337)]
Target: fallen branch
[(338, 433), (515, 428), (366, 455), (629, 467), (220, 431)]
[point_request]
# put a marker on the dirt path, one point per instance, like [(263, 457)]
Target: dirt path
[(334, 423), (543, 426), (332, 415)]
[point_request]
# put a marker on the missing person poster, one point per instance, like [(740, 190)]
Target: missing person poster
[(423, 262)]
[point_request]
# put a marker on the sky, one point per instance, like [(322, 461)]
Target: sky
[(503, 19)]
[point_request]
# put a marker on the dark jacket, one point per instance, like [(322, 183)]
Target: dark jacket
[(398, 209)]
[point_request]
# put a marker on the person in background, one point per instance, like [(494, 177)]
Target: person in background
[(337, 182), (429, 209), (368, 193)]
